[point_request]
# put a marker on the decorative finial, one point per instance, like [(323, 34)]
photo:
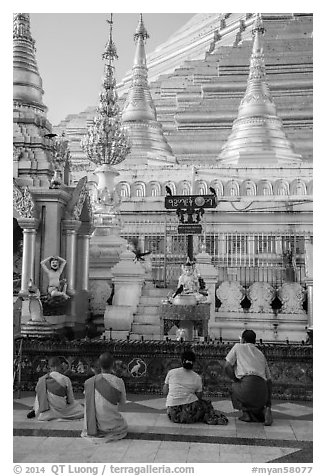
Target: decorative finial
[(106, 141), (22, 26), (258, 31), (258, 24), (141, 31), (110, 52)]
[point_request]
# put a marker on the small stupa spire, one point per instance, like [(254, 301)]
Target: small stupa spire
[(257, 133), (106, 141), (139, 113), (141, 31)]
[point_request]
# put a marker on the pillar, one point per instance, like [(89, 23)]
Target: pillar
[(210, 275), (29, 226), (309, 279), (310, 303), (84, 236), (70, 228)]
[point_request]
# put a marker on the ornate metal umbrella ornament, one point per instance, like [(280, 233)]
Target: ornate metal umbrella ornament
[(106, 142)]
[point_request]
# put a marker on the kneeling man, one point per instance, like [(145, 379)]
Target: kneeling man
[(103, 394), (55, 397), (246, 365)]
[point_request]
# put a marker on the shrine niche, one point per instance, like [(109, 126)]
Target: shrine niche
[(66, 218)]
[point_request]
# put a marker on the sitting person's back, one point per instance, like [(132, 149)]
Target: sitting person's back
[(252, 385), (103, 394), (183, 385), (184, 402), (54, 395)]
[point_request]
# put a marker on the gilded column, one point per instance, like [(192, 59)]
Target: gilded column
[(70, 228), (29, 226)]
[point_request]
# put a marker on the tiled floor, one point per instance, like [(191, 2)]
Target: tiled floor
[(152, 438)]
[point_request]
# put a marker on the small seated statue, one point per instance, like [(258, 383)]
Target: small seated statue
[(190, 283), (53, 267)]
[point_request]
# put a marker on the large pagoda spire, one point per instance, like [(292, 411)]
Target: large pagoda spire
[(27, 81), (258, 135), (139, 114), (106, 141), (33, 150)]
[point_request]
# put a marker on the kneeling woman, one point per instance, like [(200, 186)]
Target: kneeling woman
[(184, 401)]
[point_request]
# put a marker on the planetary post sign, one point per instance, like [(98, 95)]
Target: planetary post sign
[(190, 209), (173, 202)]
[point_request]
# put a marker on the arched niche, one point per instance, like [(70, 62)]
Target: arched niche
[(264, 188), (138, 189), (248, 188), (281, 187), (184, 188), (217, 185), (298, 187), (123, 189), (201, 187), (154, 189), (172, 186), (232, 188)]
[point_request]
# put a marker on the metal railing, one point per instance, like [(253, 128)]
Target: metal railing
[(244, 257)]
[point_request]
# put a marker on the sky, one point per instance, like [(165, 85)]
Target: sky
[(69, 49)]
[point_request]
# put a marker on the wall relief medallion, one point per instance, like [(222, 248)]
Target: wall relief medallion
[(230, 293), (261, 296)]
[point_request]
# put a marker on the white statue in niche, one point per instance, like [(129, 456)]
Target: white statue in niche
[(261, 296), (53, 266), (230, 293), (292, 297)]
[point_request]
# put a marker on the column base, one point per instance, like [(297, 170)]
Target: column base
[(37, 329)]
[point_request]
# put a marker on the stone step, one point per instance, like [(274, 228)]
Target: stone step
[(134, 336), (118, 335), (147, 309), (146, 329), (159, 292), (150, 300), (146, 319)]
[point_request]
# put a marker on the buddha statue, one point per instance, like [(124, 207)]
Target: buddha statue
[(191, 287)]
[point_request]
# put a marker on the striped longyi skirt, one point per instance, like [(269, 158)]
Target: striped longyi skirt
[(198, 411)]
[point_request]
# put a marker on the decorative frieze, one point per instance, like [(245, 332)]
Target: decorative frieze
[(23, 201)]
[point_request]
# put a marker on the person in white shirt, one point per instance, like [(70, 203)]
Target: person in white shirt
[(184, 390), (246, 365)]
